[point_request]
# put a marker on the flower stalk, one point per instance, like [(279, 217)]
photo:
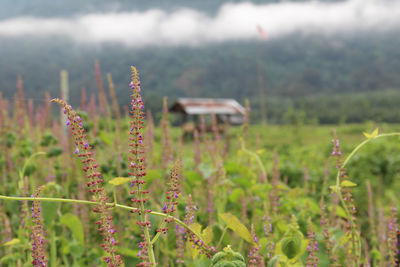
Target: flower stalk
[(94, 183), (138, 169)]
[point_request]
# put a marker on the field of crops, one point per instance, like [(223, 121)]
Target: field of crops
[(105, 189)]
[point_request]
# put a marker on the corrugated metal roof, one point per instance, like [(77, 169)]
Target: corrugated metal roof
[(201, 106)]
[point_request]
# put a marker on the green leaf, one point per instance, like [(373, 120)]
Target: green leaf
[(207, 235), (9, 258), (340, 212), (12, 242), (334, 188), (64, 246), (75, 225), (106, 138), (347, 183), (196, 227), (274, 261), (154, 174), (77, 250), (192, 177), (128, 252), (236, 194), (245, 182), (207, 170), (49, 212), (291, 243), (119, 181), (54, 151), (235, 225)]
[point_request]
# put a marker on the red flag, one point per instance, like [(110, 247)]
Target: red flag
[(262, 32)]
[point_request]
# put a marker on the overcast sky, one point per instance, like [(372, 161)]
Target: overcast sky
[(232, 22)]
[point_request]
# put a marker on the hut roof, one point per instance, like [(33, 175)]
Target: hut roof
[(199, 106)]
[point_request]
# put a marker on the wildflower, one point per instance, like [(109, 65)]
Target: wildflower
[(89, 166), (180, 243), (137, 159), (203, 248), (167, 149), (197, 150), (392, 238), (255, 258), (348, 201), (138, 169), (329, 243), (38, 241), (312, 247), (104, 108)]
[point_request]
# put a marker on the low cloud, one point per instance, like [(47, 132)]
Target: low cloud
[(231, 22)]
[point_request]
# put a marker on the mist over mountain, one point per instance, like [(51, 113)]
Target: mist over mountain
[(325, 60), (49, 8)]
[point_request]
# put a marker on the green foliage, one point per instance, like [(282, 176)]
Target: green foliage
[(54, 152), (75, 225), (228, 258), (48, 140), (291, 241), (235, 225)]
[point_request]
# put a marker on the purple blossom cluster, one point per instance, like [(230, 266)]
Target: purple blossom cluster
[(94, 184), (312, 247), (137, 158), (255, 257), (172, 195), (38, 251), (197, 243)]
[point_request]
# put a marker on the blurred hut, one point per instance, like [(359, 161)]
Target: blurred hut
[(226, 111)]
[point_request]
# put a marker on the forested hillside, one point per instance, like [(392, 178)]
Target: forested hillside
[(355, 74)]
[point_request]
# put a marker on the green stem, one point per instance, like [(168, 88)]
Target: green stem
[(339, 188), (115, 195), (150, 250), (257, 158), (65, 260), (222, 237), (53, 250), (22, 172), (78, 201), (353, 230), (162, 225), (355, 150)]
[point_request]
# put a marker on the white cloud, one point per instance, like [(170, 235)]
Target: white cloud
[(232, 22)]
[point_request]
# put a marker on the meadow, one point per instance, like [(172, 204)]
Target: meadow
[(94, 187)]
